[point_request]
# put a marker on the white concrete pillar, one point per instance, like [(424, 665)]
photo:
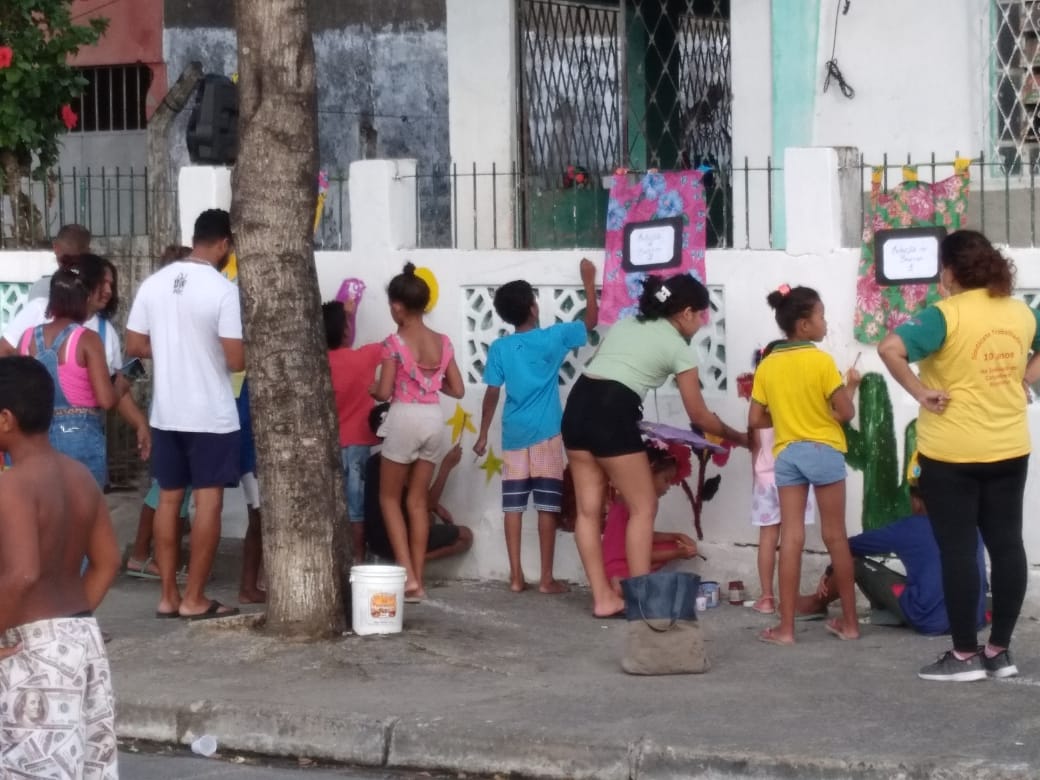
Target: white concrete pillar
[(751, 67), (482, 119), (201, 187), (820, 198), (382, 204)]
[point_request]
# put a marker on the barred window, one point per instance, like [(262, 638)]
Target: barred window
[(1016, 81), (114, 98)]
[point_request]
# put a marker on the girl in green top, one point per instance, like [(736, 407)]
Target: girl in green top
[(601, 421)]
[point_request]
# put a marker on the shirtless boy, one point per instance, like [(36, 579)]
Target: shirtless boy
[(56, 704)]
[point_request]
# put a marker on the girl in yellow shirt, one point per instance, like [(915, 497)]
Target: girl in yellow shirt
[(799, 392)]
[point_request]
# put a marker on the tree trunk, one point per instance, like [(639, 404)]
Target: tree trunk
[(306, 542), (162, 218)]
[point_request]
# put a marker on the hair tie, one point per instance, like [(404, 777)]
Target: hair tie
[(663, 294), (784, 290)]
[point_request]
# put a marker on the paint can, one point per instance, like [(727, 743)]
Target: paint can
[(377, 599), (736, 592), (702, 603), (710, 591)]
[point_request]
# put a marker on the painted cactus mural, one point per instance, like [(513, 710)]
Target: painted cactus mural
[(873, 450)]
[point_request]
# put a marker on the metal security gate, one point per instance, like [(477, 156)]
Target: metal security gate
[(620, 83)]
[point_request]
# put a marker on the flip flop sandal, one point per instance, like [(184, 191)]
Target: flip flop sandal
[(769, 637), (832, 628), (175, 615), (212, 612), (810, 616), (135, 568), (760, 608)]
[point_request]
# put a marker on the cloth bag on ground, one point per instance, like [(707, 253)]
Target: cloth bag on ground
[(662, 635)]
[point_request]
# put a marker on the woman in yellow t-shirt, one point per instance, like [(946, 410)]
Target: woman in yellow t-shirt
[(799, 392), (973, 351)]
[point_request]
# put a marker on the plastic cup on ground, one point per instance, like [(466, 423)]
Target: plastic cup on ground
[(204, 746)]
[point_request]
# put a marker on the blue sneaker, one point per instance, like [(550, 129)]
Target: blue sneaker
[(949, 668)]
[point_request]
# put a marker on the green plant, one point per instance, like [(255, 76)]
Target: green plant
[(873, 450), (37, 86)]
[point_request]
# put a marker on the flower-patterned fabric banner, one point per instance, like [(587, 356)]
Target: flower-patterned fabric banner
[(655, 196), (912, 204)]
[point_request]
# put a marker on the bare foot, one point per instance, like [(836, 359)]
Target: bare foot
[(256, 596), (414, 595), (552, 587), (773, 636), (837, 627), (609, 608), (517, 586)]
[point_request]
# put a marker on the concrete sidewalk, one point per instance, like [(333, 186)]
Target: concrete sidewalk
[(483, 681)]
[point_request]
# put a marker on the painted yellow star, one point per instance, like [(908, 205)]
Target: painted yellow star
[(491, 466), (459, 422)]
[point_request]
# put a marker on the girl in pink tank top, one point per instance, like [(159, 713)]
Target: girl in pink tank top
[(75, 358), (418, 364)]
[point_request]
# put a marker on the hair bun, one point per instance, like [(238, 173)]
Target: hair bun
[(409, 268)]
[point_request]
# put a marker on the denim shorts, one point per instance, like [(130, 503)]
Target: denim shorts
[(809, 463), (355, 456)]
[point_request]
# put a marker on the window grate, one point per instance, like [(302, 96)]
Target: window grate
[(114, 98)]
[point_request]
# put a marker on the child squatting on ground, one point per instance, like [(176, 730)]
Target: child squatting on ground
[(56, 702), (667, 546), (417, 364), (528, 364), (799, 392)]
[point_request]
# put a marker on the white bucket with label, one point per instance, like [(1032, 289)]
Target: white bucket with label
[(377, 599)]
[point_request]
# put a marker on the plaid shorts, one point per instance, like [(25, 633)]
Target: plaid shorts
[(537, 469)]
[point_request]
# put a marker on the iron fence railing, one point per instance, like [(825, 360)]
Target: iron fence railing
[(1002, 199), (496, 207), (116, 202)]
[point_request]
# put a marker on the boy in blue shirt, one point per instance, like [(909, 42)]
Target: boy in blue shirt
[(528, 363)]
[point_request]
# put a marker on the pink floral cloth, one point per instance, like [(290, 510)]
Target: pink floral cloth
[(911, 204), (655, 196)]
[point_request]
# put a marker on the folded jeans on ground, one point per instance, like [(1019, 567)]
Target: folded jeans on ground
[(663, 635)]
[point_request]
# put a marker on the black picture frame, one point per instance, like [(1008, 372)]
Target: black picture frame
[(905, 255), (675, 223)]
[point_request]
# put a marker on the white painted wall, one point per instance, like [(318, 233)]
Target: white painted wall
[(482, 83), (918, 72), (752, 105)]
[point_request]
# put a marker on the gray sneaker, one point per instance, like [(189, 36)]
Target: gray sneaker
[(999, 666), (949, 668)]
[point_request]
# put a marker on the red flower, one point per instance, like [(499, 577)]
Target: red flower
[(68, 116), (6, 55)]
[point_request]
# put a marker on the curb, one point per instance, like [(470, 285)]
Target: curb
[(441, 744)]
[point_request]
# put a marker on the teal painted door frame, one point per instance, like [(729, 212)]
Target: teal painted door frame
[(795, 26)]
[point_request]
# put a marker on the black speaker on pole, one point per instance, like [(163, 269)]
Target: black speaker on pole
[(213, 123)]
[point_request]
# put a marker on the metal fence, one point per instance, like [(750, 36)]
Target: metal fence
[(491, 207), (115, 202), (1002, 199)]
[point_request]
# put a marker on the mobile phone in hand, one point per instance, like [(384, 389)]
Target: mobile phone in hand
[(133, 369)]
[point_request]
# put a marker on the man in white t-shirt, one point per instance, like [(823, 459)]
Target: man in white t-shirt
[(187, 319)]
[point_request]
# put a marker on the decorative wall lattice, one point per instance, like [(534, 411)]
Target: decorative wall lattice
[(12, 297), (567, 304)]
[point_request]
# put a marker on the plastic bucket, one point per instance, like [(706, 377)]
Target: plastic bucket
[(377, 599)]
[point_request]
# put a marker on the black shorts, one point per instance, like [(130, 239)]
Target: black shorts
[(602, 417), (441, 535), (183, 459)]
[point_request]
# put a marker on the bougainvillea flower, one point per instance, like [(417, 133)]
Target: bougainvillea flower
[(69, 117), (6, 55)]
